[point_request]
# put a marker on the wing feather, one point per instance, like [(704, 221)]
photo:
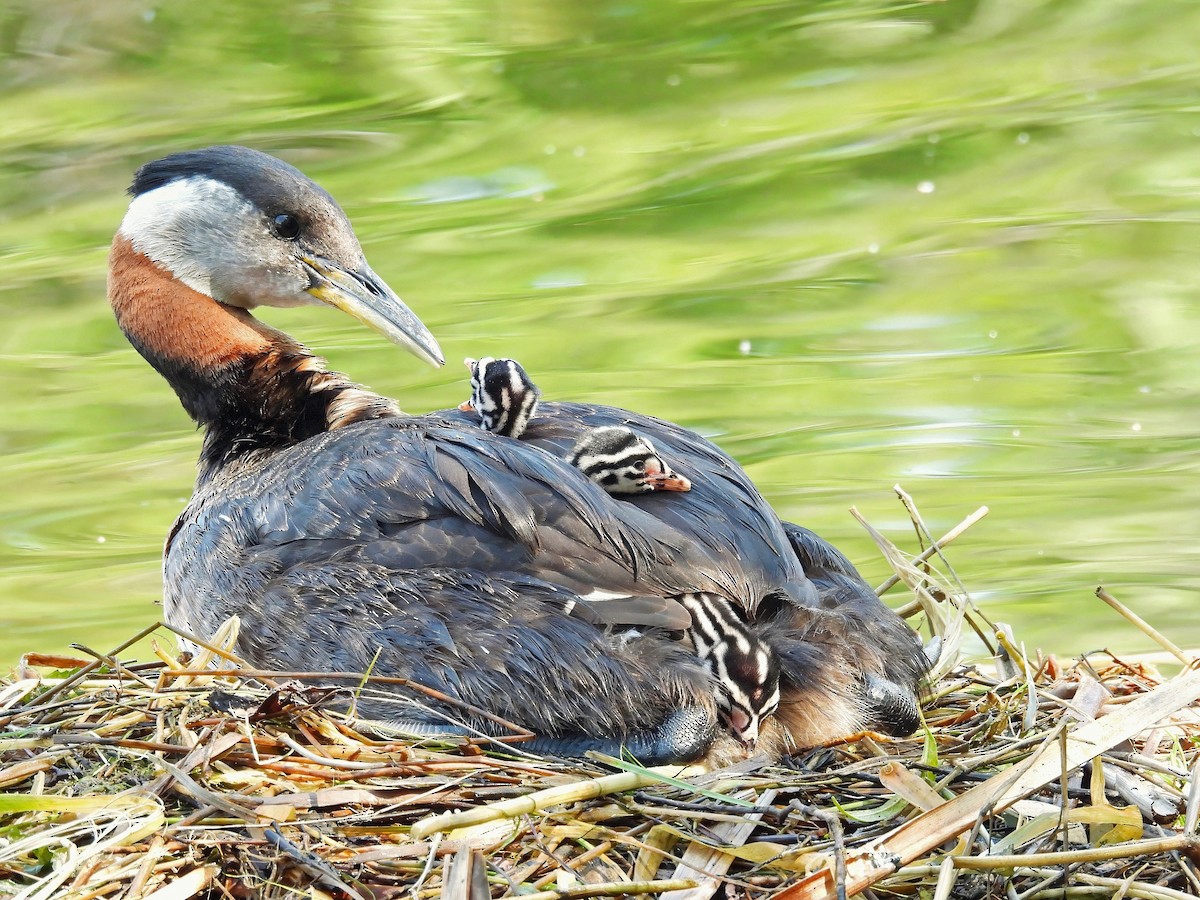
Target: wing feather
[(416, 492)]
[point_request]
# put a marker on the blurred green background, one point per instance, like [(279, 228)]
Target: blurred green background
[(947, 244)]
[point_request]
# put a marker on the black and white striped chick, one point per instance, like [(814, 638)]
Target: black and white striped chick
[(623, 462), (614, 457), (744, 666), (503, 394)]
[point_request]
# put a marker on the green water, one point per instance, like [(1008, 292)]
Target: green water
[(949, 245)]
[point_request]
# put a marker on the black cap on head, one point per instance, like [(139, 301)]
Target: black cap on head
[(265, 181)]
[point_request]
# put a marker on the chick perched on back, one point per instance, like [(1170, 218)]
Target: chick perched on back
[(623, 462), (503, 395), (614, 457), (744, 668)]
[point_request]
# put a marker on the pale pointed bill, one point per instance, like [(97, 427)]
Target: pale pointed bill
[(364, 295)]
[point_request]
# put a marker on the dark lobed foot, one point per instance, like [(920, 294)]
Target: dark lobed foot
[(890, 708), (685, 736)]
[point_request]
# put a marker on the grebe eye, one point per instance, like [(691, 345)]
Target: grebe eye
[(286, 227)]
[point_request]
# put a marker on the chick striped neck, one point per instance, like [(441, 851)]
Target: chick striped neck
[(503, 395)]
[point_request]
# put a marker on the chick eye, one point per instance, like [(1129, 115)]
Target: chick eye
[(286, 227)]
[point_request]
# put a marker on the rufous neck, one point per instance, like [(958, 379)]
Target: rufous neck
[(251, 387)]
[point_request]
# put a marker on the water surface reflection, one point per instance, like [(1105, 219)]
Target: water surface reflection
[(946, 245)]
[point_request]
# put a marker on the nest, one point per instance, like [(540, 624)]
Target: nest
[(197, 777)]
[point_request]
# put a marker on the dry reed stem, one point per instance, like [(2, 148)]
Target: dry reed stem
[(507, 809), (935, 548), (1144, 626), (1129, 849)]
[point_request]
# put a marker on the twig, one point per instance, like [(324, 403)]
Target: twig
[(836, 835), (519, 732), (518, 806), (614, 889), (1144, 626), (1193, 800), (914, 514), (326, 760), (72, 680), (117, 665), (937, 546), (321, 871), (1188, 844)]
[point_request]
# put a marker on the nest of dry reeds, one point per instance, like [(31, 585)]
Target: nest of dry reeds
[(184, 778)]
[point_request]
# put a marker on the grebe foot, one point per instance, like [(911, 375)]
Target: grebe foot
[(889, 707), (685, 736)]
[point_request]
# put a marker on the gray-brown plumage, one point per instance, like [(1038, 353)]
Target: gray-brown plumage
[(743, 667), (350, 536)]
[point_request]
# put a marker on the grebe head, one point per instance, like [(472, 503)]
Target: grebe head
[(246, 229), (744, 667)]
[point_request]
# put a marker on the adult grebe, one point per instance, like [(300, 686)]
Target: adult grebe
[(351, 537)]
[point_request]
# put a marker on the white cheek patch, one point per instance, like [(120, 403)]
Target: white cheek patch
[(186, 225)]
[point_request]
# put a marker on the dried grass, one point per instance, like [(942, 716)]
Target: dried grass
[(175, 779)]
